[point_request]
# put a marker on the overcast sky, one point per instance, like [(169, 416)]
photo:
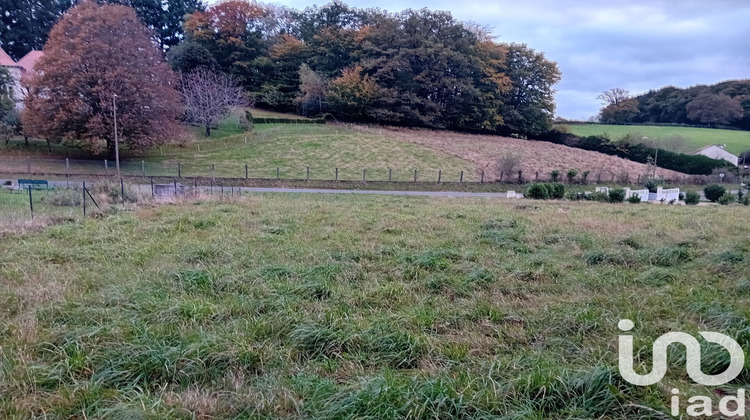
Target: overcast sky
[(634, 44)]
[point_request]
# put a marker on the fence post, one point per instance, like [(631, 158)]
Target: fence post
[(390, 171), (308, 174), (122, 191), (277, 173), (84, 198), (520, 177), (175, 188), (461, 179), (337, 174), (440, 175), (364, 175), (246, 165), (501, 176), (31, 204), (179, 170), (639, 179), (143, 168), (599, 178), (481, 180), (67, 173), (213, 172), (415, 175), (536, 178), (152, 187), (106, 167)]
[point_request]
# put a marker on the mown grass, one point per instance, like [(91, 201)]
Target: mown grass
[(737, 141), (300, 306), (323, 148)]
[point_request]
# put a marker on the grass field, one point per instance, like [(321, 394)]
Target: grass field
[(363, 307), (736, 141)]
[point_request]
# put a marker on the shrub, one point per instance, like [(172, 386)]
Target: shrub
[(713, 192), (599, 196), (555, 175), (571, 175), (652, 184), (556, 191), (746, 201), (634, 199), (585, 177), (725, 199), (692, 198), (537, 191), (508, 163), (616, 195)]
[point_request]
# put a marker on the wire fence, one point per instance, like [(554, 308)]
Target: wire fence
[(67, 168)]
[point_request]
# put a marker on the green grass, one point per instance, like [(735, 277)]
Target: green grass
[(300, 306), (292, 148), (736, 141)]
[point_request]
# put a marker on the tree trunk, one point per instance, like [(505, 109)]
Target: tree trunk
[(26, 140), (49, 146), (208, 130)]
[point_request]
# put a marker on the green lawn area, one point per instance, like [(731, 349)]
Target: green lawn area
[(736, 141), (292, 148), (300, 306)]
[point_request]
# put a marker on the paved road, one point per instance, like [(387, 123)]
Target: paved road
[(327, 191)]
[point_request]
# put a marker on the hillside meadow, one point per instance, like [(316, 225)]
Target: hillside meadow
[(737, 141), (301, 306)]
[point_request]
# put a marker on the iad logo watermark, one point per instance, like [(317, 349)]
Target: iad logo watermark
[(699, 405)]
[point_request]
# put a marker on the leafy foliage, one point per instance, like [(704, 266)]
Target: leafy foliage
[(71, 96), (616, 195), (713, 192)]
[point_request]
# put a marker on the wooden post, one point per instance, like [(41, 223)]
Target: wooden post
[(501, 176), (599, 178), (143, 168), (179, 170), (390, 170), (639, 179), (175, 188), (245, 165), (84, 198), (308, 174), (440, 175), (364, 175), (277, 173), (152, 187), (461, 179), (337, 174), (536, 177), (415, 175), (481, 181), (213, 172), (122, 190), (520, 177)]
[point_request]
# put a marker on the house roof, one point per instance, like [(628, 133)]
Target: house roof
[(5, 59), (29, 60), (710, 146)]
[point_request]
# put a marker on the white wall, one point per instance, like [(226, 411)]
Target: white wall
[(716, 152)]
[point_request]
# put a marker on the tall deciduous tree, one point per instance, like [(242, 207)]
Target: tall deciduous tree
[(530, 104), (714, 109), (209, 97), (613, 96), (94, 53), (313, 90)]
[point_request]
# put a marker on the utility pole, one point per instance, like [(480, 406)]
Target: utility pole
[(117, 145)]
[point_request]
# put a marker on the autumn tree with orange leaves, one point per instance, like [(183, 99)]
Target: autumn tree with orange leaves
[(94, 53)]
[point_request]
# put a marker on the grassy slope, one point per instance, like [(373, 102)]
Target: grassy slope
[(292, 148), (736, 141), (361, 307)]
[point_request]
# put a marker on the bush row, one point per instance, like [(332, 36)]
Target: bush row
[(689, 164), (264, 120)]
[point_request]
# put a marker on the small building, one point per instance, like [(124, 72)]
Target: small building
[(18, 70), (716, 151)]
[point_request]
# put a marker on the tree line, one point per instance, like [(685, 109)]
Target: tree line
[(725, 104), (416, 67)]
